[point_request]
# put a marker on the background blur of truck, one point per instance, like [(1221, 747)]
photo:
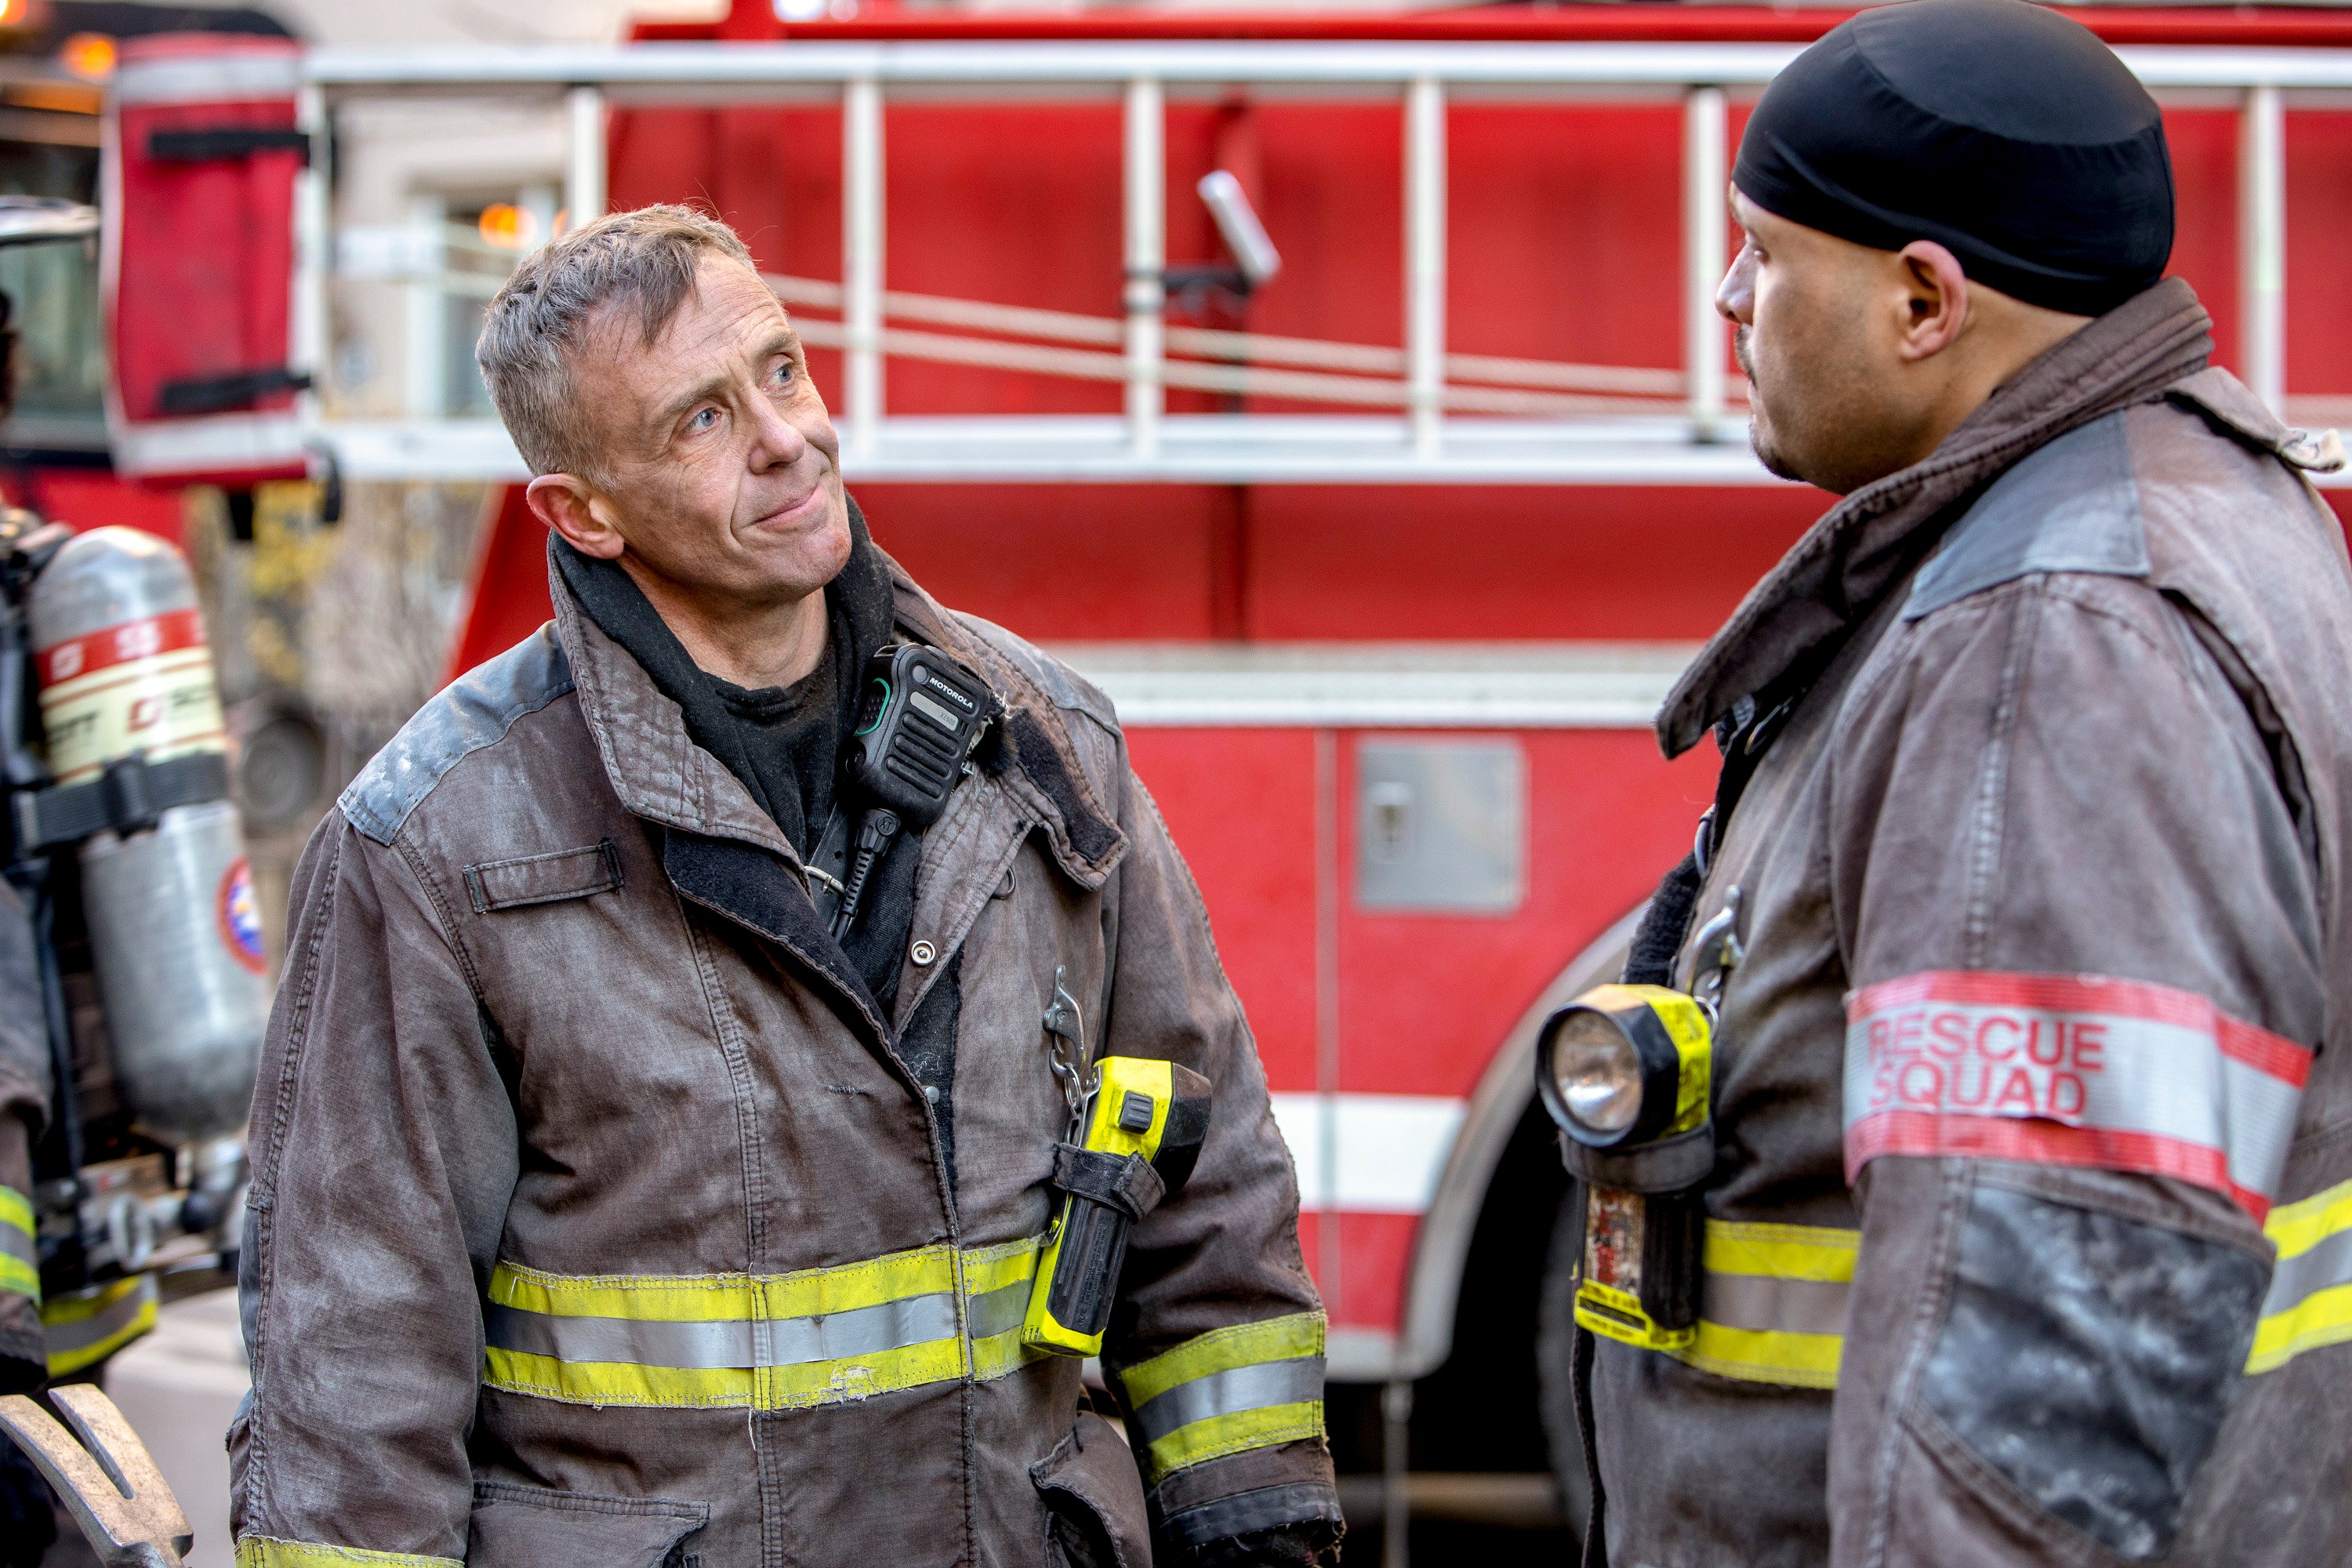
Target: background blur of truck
[(1385, 482)]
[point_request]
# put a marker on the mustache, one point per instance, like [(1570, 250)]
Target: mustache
[(1739, 354)]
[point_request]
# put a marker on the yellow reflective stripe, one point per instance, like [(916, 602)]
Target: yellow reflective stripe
[(1010, 1267), (649, 1298), (998, 1355), (1784, 1339), (991, 1283), (2313, 1324), (698, 1298), (1754, 1355), (2296, 1227), (2310, 1302), (1184, 1400), (806, 1384), (617, 1383), (264, 1552), (1222, 1350), (1221, 1435), (1780, 1251), (86, 1327), (987, 1268), (20, 1255), (796, 1387)]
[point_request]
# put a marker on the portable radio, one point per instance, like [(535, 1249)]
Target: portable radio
[(920, 717)]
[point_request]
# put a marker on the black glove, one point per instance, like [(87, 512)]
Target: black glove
[(1309, 1545), (28, 1516)]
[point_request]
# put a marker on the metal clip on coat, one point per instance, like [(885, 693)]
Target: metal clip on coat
[(1137, 1129), (1625, 1072)]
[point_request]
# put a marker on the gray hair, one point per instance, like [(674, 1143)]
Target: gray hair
[(642, 262)]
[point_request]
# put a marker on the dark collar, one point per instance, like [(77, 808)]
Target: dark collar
[(858, 615), (662, 774)]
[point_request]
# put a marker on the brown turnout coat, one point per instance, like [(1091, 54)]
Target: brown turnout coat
[(595, 1218), (2032, 1082)]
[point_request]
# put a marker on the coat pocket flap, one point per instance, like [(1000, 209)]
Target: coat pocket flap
[(544, 879), (1092, 1471), (533, 1527)]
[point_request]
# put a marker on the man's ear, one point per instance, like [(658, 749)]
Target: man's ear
[(1935, 299), (572, 508)]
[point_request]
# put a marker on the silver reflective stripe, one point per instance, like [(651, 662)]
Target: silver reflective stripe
[(63, 1338), (2327, 1263), (2052, 1068), (1770, 1305), (725, 1342), (1000, 1310), (15, 1244), (1226, 1393), (2259, 1112)]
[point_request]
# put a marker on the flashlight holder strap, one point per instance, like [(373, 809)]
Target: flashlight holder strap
[(1128, 1184), (1672, 1165)]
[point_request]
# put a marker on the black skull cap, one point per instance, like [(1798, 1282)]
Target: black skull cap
[(1999, 129)]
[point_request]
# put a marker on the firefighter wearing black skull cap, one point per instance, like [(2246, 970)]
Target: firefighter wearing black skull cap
[(1961, 1171)]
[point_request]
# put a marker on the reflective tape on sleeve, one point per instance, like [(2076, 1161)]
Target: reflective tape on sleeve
[(20, 1256), (265, 1552), (2070, 1071), (769, 1343), (84, 1327), (1772, 1302), (1773, 1299), (1248, 1386), (2309, 1305), (996, 1283)]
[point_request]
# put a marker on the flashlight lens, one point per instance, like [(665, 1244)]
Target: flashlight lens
[(1597, 1073)]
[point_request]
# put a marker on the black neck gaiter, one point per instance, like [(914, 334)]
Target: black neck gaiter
[(780, 743)]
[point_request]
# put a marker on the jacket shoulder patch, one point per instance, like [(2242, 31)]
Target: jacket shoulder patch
[(473, 711), (2072, 506)]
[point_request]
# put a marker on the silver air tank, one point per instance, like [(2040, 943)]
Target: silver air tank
[(174, 934)]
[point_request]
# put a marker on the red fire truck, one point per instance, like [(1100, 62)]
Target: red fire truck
[(1343, 393)]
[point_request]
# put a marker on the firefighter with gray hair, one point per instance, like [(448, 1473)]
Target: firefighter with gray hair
[(740, 1048)]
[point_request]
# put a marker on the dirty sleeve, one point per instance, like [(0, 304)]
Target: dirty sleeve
[(384, 1158), (1216, 1344), (2075, 880), (23, 1110)]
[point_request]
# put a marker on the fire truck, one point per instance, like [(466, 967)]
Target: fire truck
[(1345, 395)]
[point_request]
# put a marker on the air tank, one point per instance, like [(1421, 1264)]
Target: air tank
[(175, 936)]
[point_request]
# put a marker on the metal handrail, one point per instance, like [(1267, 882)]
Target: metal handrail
[(667, 66), (1141, 75)]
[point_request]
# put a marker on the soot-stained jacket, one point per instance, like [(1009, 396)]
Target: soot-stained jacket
[(2030, 1233), (23, 1108), (595, 1216)]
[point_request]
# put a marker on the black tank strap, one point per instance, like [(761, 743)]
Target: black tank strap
[(1744, 736)]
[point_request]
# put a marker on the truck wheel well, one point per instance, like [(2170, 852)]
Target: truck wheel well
[(1501, 1112), (1480, 1411)]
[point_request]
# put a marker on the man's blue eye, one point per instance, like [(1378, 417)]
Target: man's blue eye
[(702, 419), (781, 375)]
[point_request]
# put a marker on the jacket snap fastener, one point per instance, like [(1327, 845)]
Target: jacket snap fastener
[(922, 953)]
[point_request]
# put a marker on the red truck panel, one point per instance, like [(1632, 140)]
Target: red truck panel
[(1564, 240), (200, 253)]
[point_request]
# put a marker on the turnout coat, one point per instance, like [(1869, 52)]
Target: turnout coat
[(595, 1218), (2030, 1236)]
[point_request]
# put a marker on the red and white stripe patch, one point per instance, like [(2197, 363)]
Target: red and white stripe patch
[(2066, 1069), (125, 644)]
